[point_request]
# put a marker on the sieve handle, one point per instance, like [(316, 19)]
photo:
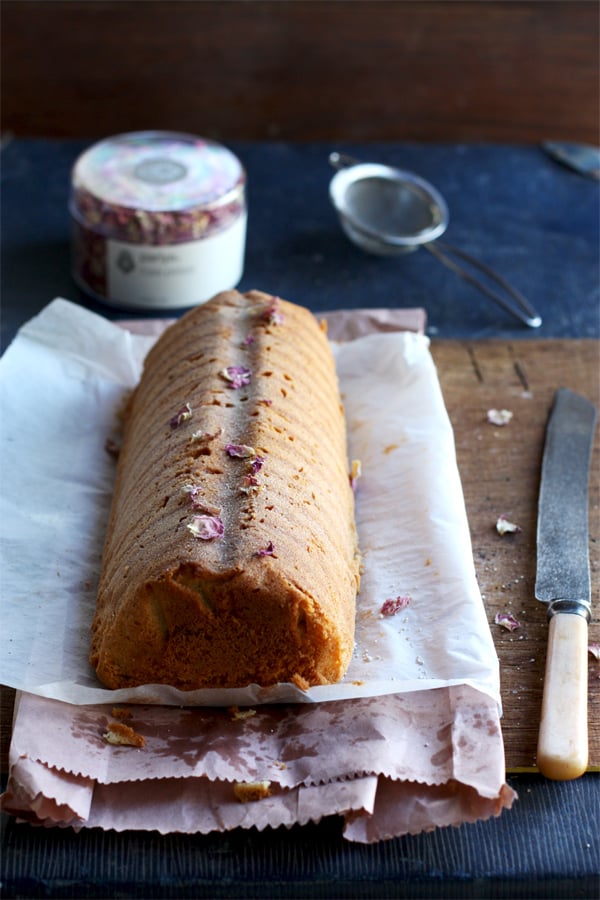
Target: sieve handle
[(520, 307)]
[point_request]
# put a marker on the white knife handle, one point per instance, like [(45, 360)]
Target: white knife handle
[(562, 751)]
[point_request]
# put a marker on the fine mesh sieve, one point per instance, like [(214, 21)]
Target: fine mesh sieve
[(388, 211)]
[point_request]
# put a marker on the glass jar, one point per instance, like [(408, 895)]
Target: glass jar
[(159, 220)]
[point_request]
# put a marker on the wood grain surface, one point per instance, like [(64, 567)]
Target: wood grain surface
[(355, 70), (500, 470)]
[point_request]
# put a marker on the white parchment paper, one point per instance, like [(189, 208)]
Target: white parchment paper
[(62, 382)]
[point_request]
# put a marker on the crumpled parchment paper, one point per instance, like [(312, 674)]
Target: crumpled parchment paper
[(410, 739)]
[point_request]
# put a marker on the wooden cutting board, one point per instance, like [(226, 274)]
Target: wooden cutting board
[(500, 470)]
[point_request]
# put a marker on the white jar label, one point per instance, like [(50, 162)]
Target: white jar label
[(175, 275)]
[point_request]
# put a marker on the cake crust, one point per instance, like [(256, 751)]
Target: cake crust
[(231, 552)]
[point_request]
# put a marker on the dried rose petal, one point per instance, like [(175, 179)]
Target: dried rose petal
[(503, 526), (257, 464), (507, 620), (181, 416), (355, 473), (236, 376), (207, 528), (393, 605), (594, 649), (272, 313), (197, 501), (269, 550), (248, 340), (499, 416), (241, 451), (249, 483)]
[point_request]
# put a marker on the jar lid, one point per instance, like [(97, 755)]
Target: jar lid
[(159, 171)]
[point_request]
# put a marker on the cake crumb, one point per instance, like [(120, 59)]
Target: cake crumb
[(122, 735), (237, 714), (251, 791), (499, 417)]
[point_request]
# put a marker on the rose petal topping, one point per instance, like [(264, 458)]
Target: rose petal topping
[(393, 605), (594, 649), (207, 528), (272, 313), (181, 416), (257, 464), (236, 376), (249, 483), (499, 416), (503, 526), (507, 620), (198, 502), (248, 340), (241, 451), (269, 550)]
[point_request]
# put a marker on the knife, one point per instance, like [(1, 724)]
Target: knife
[(582, 158), (563, 583)]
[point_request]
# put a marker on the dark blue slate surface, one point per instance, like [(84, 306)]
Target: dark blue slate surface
[(533, 220), (547, 847)]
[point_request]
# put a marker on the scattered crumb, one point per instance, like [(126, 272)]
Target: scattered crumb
[(503, 526), (355, 473), (499, 416), (251, 791), (119, 713), (238, 714), (124, 736), (112, 448)]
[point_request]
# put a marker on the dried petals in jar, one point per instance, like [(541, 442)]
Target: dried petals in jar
[(159, 220)]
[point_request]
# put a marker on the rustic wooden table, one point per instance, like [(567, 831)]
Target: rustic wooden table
[(500, 471)]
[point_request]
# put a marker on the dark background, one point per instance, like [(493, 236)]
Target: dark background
[(361, 70)]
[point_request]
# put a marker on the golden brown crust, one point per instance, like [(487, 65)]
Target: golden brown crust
[(272, 598)]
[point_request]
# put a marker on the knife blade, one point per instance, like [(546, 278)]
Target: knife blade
[(563, 583), (582, 158)]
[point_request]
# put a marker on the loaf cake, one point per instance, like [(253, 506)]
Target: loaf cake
[(231, 554)]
